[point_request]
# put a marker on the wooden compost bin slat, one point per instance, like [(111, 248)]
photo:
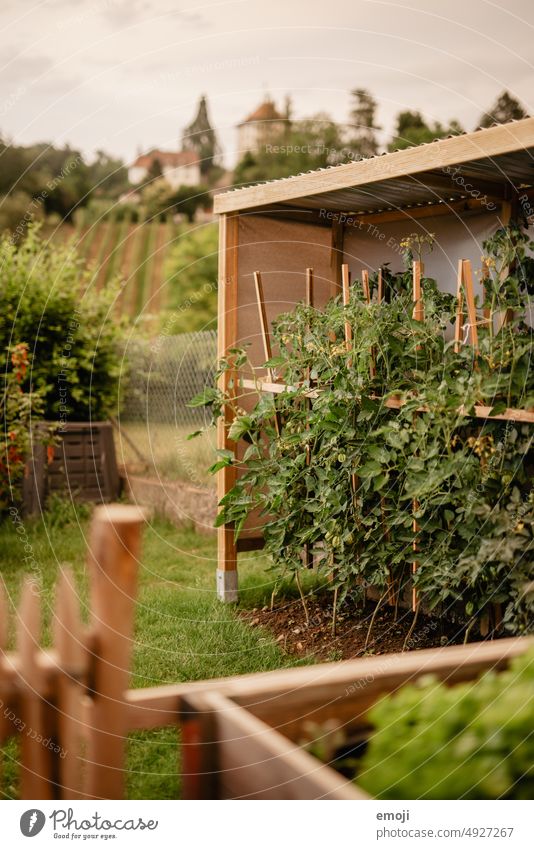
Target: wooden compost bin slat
[(84, 465)]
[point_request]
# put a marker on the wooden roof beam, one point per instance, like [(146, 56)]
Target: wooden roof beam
[(482, 144)]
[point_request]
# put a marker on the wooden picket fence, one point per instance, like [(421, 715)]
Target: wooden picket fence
[(71, 710), (66, 705)]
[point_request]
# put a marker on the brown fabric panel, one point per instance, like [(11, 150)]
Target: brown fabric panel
[(281, 250), (370, 245)]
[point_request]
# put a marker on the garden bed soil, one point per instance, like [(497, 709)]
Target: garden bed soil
[(287, 622)]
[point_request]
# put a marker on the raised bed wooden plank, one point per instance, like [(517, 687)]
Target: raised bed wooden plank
[(325, 683), (250, 760), (252, 733)]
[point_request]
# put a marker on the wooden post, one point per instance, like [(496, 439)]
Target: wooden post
[(112, 561), (36, 771), (4, 722), (72, 673), (227, 337), (199, 767)]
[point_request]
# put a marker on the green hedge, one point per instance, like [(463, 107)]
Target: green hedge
[(49, 302)]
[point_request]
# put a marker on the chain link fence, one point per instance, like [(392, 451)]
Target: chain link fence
[(165, 374)]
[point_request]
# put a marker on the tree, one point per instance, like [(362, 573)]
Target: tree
[(187, 199), (160, 199), (506, 108), (412, 129), (155, 172), (200, 137), (363, 128), (305, 145), (107, 175)]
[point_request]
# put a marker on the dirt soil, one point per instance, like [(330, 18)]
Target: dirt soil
[(287, 622)]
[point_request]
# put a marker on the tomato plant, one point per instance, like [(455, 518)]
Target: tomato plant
[(346, 476)]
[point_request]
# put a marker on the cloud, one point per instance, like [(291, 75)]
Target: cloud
[(22, 69), (122, 13)]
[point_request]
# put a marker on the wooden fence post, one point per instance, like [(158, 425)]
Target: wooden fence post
[(36, 770), (72, 669), (4, 723), (112, 558)]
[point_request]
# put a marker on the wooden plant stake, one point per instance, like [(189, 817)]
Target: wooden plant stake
[(380, 296), (345, 281), (266, 339), (387, 534), (367, 295), (465, 284), (459, 308), (418, 315), (264, 325), (418, 308), (365, 286), (470, 299), (308, 553), (488, 318)]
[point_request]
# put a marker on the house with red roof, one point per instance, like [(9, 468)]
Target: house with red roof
[(179, 168), (263, 126)]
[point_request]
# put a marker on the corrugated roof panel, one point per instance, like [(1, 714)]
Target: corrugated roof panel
[(503, 154)]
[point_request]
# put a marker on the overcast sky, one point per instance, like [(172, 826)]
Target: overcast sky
[(127, 74)]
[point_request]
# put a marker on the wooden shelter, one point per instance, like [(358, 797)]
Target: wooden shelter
[(460, 189)]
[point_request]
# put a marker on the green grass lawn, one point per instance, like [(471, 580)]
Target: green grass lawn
[(168, 452), (182, 633)]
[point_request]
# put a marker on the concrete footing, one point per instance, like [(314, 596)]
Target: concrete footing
[(227, 585)]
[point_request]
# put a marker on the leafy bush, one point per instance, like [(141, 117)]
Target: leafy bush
[(347, 475), (19, 410), (49, 302), (470, 741)]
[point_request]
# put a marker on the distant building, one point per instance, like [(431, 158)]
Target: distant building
[(180, 168), (265, 125), (199, 136)]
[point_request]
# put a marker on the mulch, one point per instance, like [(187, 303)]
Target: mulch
[(287, 622)]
